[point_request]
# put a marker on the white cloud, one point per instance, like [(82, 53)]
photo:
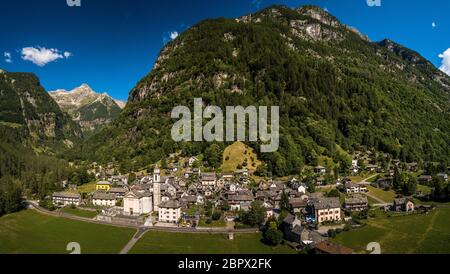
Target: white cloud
[(41, 56), (445, 56), (434, 24), (67, 54), (174, 35), (8, 58)]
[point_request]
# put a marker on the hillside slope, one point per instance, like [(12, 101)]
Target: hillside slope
[(333, 85), (28, 115)]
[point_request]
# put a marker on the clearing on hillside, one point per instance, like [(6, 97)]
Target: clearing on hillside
[(236, 154)]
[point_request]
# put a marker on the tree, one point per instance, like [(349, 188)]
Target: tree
[(409, 185), (255, 216), (332, 233), (213, 156), (440, 191), (310, 184), (361, 164), (225, 206), (164, 164), (131, 178), (334, 193), (397, 178), (11, 194), (216, 215), (284, 203), (208, 208), (261, 170), (273, 235)]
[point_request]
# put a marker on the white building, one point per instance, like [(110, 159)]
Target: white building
[(355, 167), (170, 211), (302, 189), (104, 199), (352, 188), (137, 203), (327, 210), (157, 175), (65, 199)]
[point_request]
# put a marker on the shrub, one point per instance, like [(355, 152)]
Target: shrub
[(216, 215)]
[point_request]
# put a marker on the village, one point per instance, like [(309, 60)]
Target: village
[(197, 200)]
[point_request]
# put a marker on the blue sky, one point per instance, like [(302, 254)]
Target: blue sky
[(112, 44)]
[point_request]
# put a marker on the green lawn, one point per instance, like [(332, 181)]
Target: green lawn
[(386, 196), (372, 201), (87, 188), (28, 232), (79, 212), (424, 189), (219, 223), (415, 234), (180, 243), (356, 179)]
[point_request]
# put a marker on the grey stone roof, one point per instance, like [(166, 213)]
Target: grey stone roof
[(190, 199), (104, 196), (356, 199), (401, 201), (326, 203), (208, 176), (104, 183), (170, 204), (117, 190), (67, 195), (297, 230), (141, 194), (289, 219), (297, 202), (241, 198), (351, 185), (142, 187)]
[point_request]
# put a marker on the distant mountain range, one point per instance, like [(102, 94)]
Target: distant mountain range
[(90, 109)]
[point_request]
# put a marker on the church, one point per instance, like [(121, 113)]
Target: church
[(144, 200)]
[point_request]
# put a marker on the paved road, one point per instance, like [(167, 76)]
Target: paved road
[(36, 206), (133, 241), (366, 181)]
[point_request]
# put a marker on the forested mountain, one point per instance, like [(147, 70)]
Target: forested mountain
[(334, 86), (91, 110), (28, 115), (32, 126)]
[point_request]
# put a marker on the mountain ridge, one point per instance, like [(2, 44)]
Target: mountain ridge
[(90, 109), (334, 86), (28, 115)]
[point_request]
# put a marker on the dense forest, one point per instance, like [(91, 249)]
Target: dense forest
[(23, 172), (338, 92), (33, 130)]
